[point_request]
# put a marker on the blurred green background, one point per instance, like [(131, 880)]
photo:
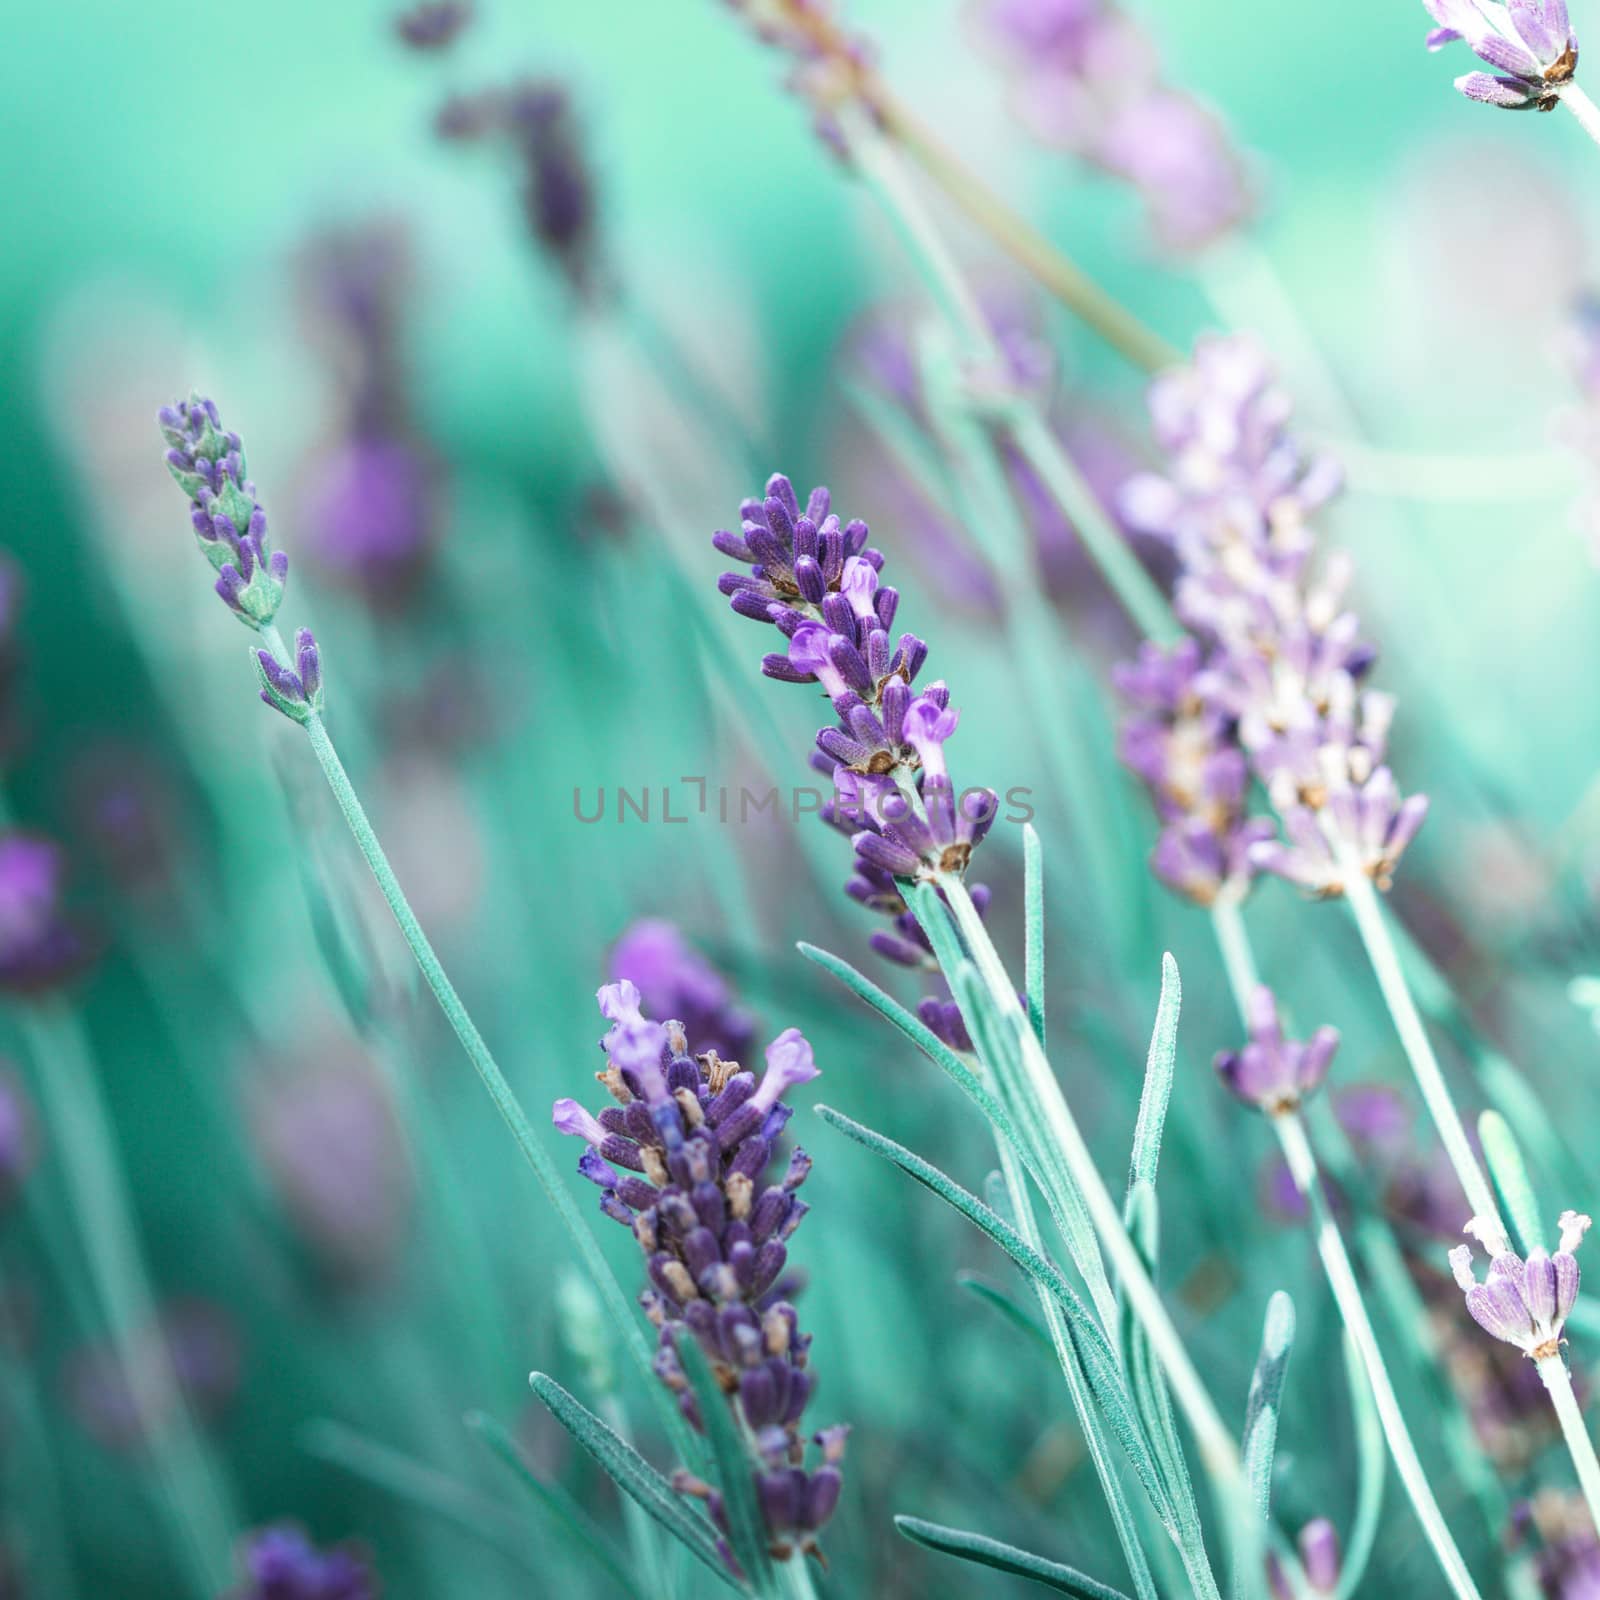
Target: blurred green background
[(163, 168)]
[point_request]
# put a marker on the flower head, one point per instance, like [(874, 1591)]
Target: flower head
[(684, 1164), (433, 25), (1523, 1303), (40, 946), (208, 465), (674, 980), (1272, 1072), (1530, 43), (281, 1563)]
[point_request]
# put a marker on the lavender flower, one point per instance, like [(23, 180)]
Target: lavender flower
[(818, 583), (1272, 1072), (433, 25), (1529, 42), (124, 805), (1277, 668), (369, 504), (18, 1137), (1567, 1563), (209, 467), (680, 1158), (1523, 1303), (1087, 79), (325, 1131), (1320, 1559), (281, 1563), (675, 980), (40, 946)]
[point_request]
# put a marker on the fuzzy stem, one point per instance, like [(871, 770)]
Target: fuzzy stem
[(1385, 959), (795, 1576), (1353, 1312), (1553, 1369), (1217, 1447), (506, 1103), (1133, 587), (1584, 109), (1018, 238)]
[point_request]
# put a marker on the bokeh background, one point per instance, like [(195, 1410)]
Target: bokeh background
[(350, 1248)]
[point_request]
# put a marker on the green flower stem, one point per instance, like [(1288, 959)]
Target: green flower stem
[(1217, 1447), (193, 1492), (1553, 1369), (1584, 109), (1133, 587), (795, 1577), (1385, 960), (1029, 248), (1353, 1312), (478, 1053)]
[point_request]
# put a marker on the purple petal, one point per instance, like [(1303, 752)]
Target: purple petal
[(1506, 93), (1497, 1308)]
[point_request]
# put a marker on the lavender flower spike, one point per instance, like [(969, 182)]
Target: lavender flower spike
[(208, 465), (1530, 43), (680, 1158), (281, 1563), (1525, 1303), (1271, 1072)]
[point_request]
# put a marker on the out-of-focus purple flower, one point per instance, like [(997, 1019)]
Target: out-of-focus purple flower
[(1275, 668), (536, 120), (281, 1563), (18, 1135), (675, 980), (1530, 43), (1522, 1303), (433, 25), (40, 946), (1272, 1072), (125, 809), (325, 1130), (117, 1393), (681, 1158), (1567, 1550), (1087, 79)]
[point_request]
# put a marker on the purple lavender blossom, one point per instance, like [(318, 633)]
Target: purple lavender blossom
[(535, 119), (679, 1158), (1530, 43), (675, 980), (124, 808), (209, 466), (369, 502), (325, 1131), (1522, 1303), (433, 25), (40, 947), (1567, 1559), (818, 583), (1280, 670), (281, 1563), (1087, 79), (18, 1135), (1272, 1072)]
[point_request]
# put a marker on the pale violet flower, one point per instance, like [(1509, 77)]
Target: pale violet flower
[(1530, 43)]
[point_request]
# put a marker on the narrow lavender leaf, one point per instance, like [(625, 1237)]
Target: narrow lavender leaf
[(1009, 1307), (986, 1552), (1033, 926), (1160, 1066), (1509, 1174), (1259, 1441), (1372, 1461)]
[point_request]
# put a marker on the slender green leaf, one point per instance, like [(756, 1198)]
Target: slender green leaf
[(1372, 1459), (1260, 1438), (1099, 1363), (733, 1463), (1510, 1175), (634, 1475), (1033, 926), (986, 1552), (1014, 1312), (425, 1488), (554, 1500), (1158, 1073)]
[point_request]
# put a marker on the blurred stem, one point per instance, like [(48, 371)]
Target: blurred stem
[(1385, 960), (1353, 1312), (1133, 587), (1553, 1369), (478, 1053), (65, 1080), (1217, 1448), (795, 1576), (1020, 240), (1588, 115)]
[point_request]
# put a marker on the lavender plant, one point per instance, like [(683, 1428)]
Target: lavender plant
[(680, 1158)]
